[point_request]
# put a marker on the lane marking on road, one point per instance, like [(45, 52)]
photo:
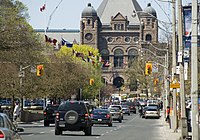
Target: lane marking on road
[(30, 135), (133, 119), (52, 130), (42, 132)]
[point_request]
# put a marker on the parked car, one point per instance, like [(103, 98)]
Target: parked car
[(8, 131), (101, 116), (116, 114), (49, 114), (73, 116), (152, 112), (126, 110)]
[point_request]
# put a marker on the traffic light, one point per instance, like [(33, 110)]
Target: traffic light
[(148, 68), (40, 70), (91, 82)]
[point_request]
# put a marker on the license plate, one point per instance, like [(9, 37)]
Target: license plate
[(99, 120), (62, 125)]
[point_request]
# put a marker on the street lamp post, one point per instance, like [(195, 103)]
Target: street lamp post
[(194, 72), (184, 132), (21, 76)]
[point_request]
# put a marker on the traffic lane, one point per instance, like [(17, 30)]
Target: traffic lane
[(38, 131), (138, 129)]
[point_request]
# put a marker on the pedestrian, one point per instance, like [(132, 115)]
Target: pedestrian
[(168, 116), (16, 111)]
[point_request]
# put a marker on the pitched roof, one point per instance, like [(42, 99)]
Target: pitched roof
[(110, 8)]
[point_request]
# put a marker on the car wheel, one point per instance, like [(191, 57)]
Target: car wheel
[(57, 131), (88, 131), (71, 117), (46, 123), (110, 124)]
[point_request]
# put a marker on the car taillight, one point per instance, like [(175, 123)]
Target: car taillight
[(1, 134), (91, 115), (108, 116), (57, 116), (45, 113), (86, 116)]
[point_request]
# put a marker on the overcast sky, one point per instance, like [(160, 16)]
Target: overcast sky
[(67, 15)]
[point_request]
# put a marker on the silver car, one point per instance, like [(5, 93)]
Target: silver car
[(116, 114), (8, 131)]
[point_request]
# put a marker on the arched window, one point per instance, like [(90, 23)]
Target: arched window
[(132, 55), (118, 58), (105, 56), (88, 21), (148, 38)]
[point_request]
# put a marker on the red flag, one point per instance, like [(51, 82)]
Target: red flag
[(42, 8)]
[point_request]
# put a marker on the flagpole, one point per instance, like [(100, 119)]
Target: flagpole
[(45, 32)]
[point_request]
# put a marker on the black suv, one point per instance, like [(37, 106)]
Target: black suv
[(49, 114), (73, 116)]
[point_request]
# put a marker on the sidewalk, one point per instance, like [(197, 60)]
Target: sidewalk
[(169, 133)]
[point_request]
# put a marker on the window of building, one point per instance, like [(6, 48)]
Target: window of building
[(148, 21), (132, 55), (118, 26), (88, 21), (105, 58), (118, 58), (148, 38)]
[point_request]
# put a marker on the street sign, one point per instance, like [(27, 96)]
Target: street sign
[(155, 67), (174, 84)]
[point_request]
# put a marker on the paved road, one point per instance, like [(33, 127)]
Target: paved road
[(132, 128)]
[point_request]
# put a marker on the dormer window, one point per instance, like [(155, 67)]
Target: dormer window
[(118, 26), (119, 22)]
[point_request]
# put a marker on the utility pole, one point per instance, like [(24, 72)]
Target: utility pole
[(194, 72), (184, 132), (174, 115)]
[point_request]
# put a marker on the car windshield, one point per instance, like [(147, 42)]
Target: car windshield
[(151, 109), (1, 122), (78, 106), (114, 110), (102, 112), (51, 107), (124, 106), (130, 103)]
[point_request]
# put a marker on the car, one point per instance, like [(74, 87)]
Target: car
[(116, 114), (120, 109), (8, 131), (152, 112), (126, 110), (142, 115), (132, 106), (101, 116), (49, 114), (73, 116)]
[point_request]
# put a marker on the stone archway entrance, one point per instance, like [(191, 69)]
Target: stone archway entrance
[(118, 82)]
